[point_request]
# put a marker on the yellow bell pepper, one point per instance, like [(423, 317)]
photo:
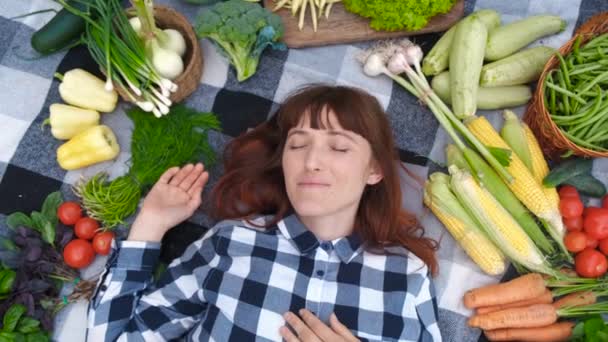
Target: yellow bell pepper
[(67, 121), (94, 145), (83, 89)]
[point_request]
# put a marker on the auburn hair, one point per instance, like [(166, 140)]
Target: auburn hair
[(253, 182)]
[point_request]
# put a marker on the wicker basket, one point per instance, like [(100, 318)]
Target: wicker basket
[(189, 80), (553, 142)]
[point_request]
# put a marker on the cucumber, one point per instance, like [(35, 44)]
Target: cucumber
[(61, 31), (466, 60), (587, 185), (569, 168), (437, 59), (487, 98), (508, 39), (519, 68)]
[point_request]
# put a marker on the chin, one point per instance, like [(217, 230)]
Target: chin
[(310, 208)]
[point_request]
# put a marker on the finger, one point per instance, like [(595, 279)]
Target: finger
[(166, 177), (196, 189), (288, 335), (304, 333), (340, 328), (179, 177), (315, 324), (187, 182)]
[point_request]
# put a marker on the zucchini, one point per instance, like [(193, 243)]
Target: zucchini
[(466, 60), (519, 68), (508, 39), (569, 168), (61, 31), (487, 98), (587, 185), (437, 59)]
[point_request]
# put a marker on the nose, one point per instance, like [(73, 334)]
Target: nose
[(313, 159)]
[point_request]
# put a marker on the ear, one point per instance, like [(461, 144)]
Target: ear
[(375, 174)]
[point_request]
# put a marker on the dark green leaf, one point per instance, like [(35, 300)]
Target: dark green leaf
[(48, 233), (37, 337), (19, 337), (6, 281), (8, 244), (28, 325), (12, 316), (593, 325), (39, 220), (6, 336), (17, 219), (602, 336), (50, 206)]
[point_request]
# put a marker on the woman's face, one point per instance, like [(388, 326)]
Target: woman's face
[(326, 170)]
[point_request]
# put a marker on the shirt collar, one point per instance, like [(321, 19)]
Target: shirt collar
[(305, 241)]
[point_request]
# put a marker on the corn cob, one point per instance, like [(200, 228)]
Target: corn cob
[(488, 178), (540, 169), (513, 134), (444, 204), (524, 186), (498, 224)]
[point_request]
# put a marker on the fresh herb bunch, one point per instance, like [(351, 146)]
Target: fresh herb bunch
[(156, 145), (18, 326), (592, 329), (398, 14), (43, 221)]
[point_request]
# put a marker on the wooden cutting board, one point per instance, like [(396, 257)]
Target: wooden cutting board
[(345, 27)]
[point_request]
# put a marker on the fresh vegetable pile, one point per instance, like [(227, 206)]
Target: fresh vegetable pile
[(575, 94), (317, 9), (398, 15)]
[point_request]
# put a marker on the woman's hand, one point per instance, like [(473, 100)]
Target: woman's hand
[(173, 199), (313, 330)]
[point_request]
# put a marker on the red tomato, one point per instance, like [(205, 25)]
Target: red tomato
[(590, 210), (78, 253), (590, 263), (575, 241), (69, 212), (604, 246), (571, 207), (86, 228), (605, 202), (573, 223), (596, 223), (568, 191), (102, 242), (591, 242)]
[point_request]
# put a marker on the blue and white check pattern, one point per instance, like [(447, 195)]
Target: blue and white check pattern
[(236, 282)]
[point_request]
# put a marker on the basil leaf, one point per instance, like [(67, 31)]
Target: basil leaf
[(7, 281), (48, 233), (39, 220), (8, 244), (578, 331), (12, 316), (17, 219), (28, 325), (6, 336), (593, 325), (50, 206), (37, 337)]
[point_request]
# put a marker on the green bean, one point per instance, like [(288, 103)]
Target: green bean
[(582, 142), (576, 71), (594, 82), (563, 68), (551, 93), (566, 93)]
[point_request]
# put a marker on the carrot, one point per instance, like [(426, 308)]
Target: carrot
[(522, 288), (576, 299), (545, 298), (551, 333), (536, 315)]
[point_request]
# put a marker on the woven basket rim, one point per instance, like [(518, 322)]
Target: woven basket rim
[(555, 142)]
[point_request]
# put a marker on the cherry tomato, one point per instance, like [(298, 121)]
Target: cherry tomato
[(570, 207), (604, 246), (78, 253), (596, 224), (573, 223), (69, 212), (591, 242), (86, 228), (605, 202), (575, 241), (102, 242), (590, 263), (589, 210), (568, 191)]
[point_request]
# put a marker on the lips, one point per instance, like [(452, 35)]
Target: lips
[(312, 184)]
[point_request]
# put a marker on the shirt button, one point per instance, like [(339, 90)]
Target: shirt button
[(326, 246), (320, 273)]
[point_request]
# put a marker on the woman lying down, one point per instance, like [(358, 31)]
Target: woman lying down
[(313, 244)]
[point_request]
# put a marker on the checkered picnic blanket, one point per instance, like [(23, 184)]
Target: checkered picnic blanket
[(28, 170)]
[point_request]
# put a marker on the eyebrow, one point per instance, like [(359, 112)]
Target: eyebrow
[(330, 132)]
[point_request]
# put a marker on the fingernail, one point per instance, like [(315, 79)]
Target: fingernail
[(333, 315)]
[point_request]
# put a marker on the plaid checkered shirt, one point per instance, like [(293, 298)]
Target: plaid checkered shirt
[(236, 282)]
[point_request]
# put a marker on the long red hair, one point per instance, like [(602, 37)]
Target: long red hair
[(253, 181)]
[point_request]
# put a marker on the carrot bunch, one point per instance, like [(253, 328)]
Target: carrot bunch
[(524, 309)]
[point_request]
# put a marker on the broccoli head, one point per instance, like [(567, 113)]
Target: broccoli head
[(241, 31)]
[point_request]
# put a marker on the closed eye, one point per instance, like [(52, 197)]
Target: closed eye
[(343, 150)]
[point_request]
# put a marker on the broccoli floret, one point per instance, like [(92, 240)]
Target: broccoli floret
[(241, 31)]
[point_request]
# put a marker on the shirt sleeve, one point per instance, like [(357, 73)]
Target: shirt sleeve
[(427, 310), (128, 306)]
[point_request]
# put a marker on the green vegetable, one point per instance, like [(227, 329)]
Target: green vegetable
[(28, 325), (398, 15), (509, 38), (63, 30), (7, 279), (592, 329), (44, 222), (587, 185), (156, 145), (487, 98), (241, 31), (519, 68), (437, 59), (466, 60), (569, 168), (12, 316)]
